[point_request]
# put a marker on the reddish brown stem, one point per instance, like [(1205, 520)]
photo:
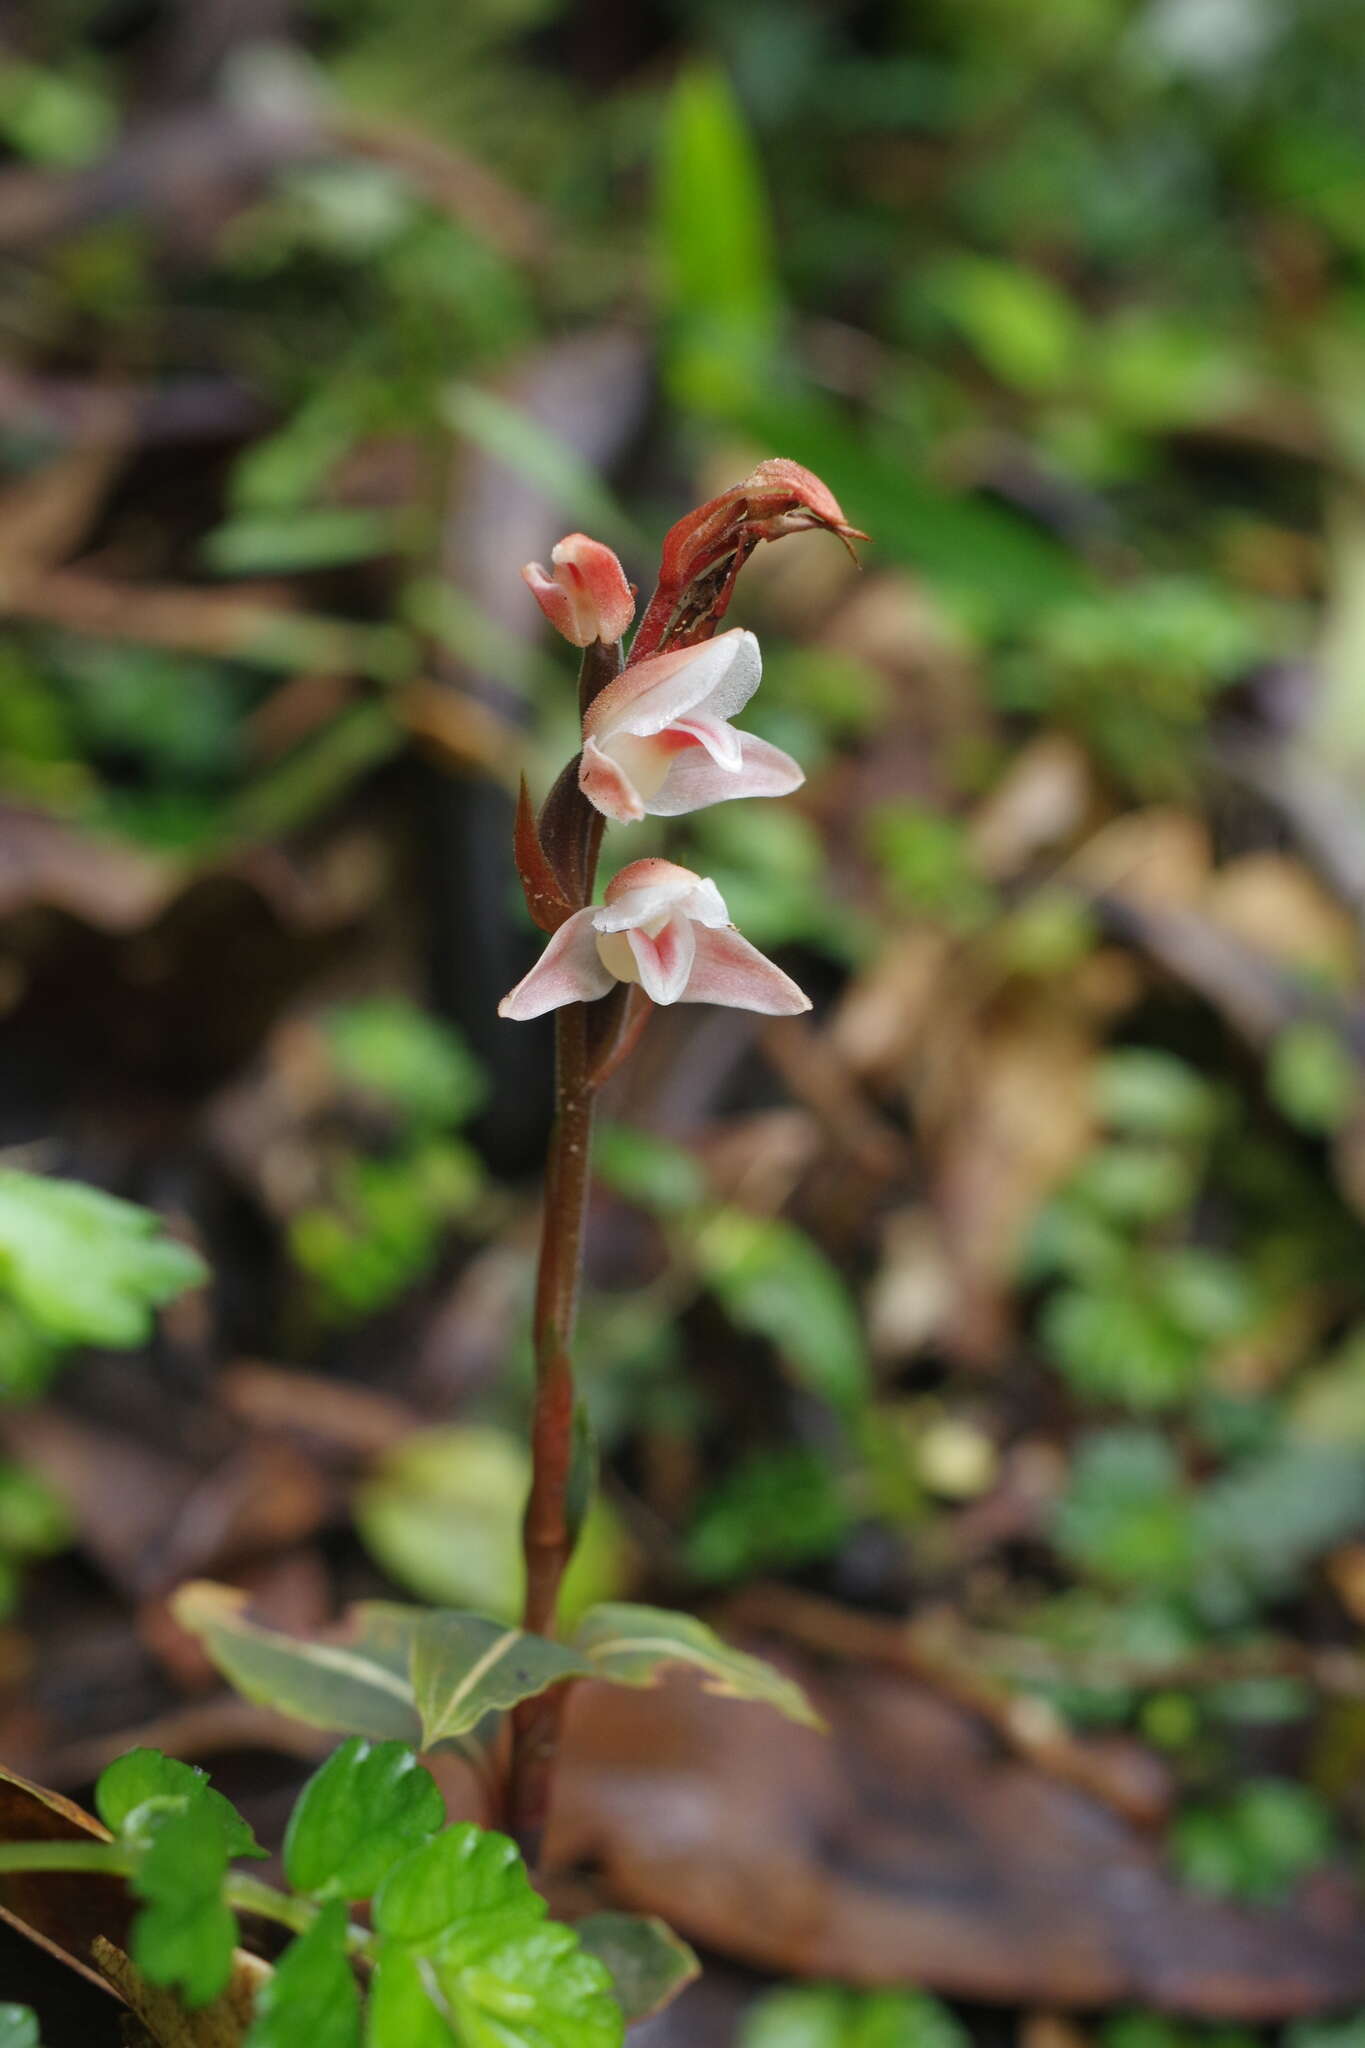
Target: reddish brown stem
[(547, 1532)]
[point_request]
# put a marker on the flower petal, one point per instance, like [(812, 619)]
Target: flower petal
[(665, 961), (722, 674), (694, 780), (727, 969), (568, 971), (608, 788), (721, 741), (586, 597)]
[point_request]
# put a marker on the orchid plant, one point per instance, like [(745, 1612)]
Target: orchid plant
[(455, 1947), (657, 740)]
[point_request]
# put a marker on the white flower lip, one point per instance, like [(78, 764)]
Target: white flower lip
[(667, 929), (658, 741)]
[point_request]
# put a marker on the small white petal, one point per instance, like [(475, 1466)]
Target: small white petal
[(664, 960), (728, 970), (568, 971), (694, 780)]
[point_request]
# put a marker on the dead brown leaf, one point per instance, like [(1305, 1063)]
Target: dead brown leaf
[(904, 1849)]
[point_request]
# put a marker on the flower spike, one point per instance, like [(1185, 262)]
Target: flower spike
[(666, 929), (586, 596), (704, 553), (658, 741)]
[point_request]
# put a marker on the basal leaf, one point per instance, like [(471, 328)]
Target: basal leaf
[(464, 1666), (356, 1682), (311, 2000), (631, 1645), (18, 2027), (140, 1775), (649, 1963), (87, 1267), (366, 1808), (460, 1915)]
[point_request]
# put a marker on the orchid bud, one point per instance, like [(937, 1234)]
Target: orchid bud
[(666, 929), (704, 553), (658, 740), (586, 597)]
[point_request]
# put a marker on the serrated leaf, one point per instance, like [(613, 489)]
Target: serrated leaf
[(631, 1645), (465, 1666), (364, 1809), (185, 1935), (772, 1279), (649, 1963), (312, 1997), (356, 1681), (400, 2012), (142, 1775), (499, 1971), (18, 2027), (88, 1268)]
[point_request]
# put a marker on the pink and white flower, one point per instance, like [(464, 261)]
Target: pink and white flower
[(665, 928), (659, 741), (585, 595)]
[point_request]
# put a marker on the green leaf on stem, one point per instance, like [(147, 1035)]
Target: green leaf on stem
[(18, 2027), (312, 1995), (356, 1682), (185, 1935), (356, 1817), (88, 1268), (463, 1935), (649, 1963), (631, 1645), (465, 1666), (141, 1776)]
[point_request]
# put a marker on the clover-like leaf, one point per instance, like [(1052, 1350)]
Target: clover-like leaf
[(465, 1666), (357, 1816), (87, 1267), (649, 1963), (185, 1934), (458, 1917), (355, 1680), (631, 1645), (312, 1996), (142, 1775)]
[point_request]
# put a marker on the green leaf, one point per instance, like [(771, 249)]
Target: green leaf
[(648, 1170), (309, 537), (142, 1775), (649, 1963), (357, 1815), (1257, 1843), (356, 1682), (1125, 1515), (631, 1645), (311, 1999), (531, 450), (400, 2012), (442, 1515), (836, 2016), (185, 1935), (18, 2027), (1312, 1077), (461, 1909), (716, 243), (87, 1267), (465, 1666), (1150, 1094), (771, 1279), (397, 1053)]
